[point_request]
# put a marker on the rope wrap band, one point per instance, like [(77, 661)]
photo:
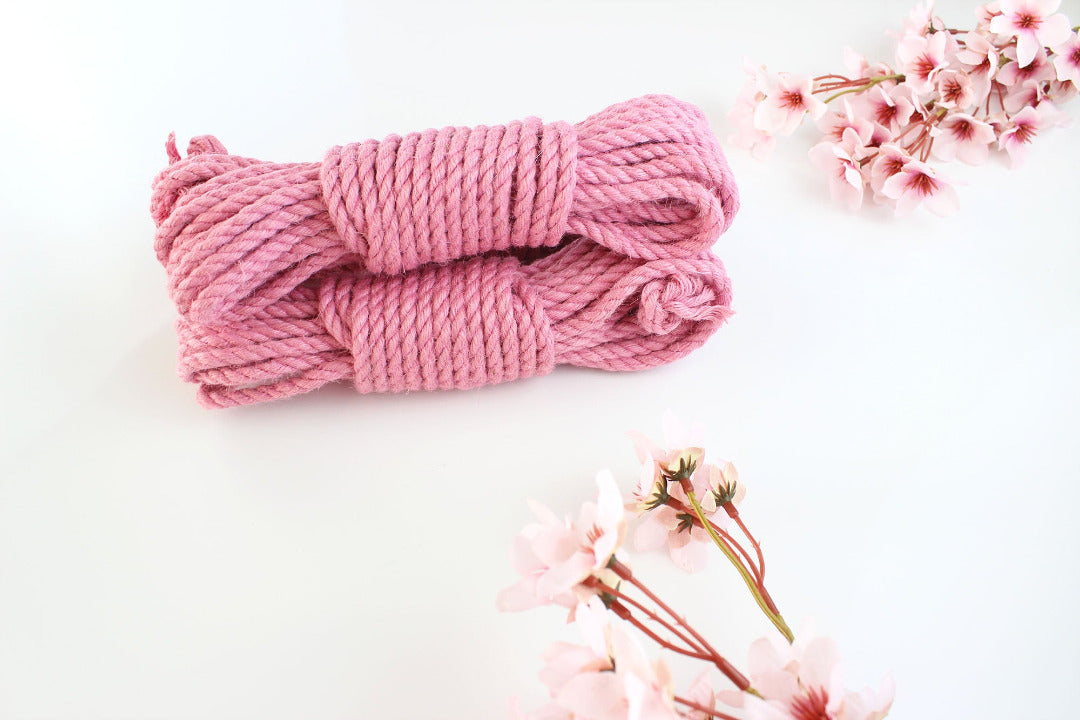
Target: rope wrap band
[(456, 192)]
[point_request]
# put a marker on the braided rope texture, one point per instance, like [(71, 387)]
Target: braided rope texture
[(449, 258)]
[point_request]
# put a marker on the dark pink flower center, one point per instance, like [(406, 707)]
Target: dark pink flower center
[(1025, 132), (1074, 56), (893, 164), (811, 706), (792, 100), (922, 184), (1023, 73), (1027, 21), (885, 113), (923, 66), (951, 90), (962, 130)]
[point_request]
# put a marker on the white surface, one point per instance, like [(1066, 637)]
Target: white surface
[(900, 396)]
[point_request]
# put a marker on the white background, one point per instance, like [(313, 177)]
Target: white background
[(899, 395)]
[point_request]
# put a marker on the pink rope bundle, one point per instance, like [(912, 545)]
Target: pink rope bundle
[(645, 178), (402, 264), (471, 322)]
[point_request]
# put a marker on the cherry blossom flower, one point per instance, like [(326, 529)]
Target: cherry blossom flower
[(628, 688), (985, 13), (1067, 60), (921, 19), (1061, 92), (955, 90), (963, 137), (834, 124), (1012, 73), (917, 183), (759, 143), (565, 660), (788, 99), (950, 88), (803, 681), (891, 108), (663, 525), (688, 543), (554, 557), (1034, 23), (846, 181), (1030, 94), (980, 58), (1019, 130), (921, 58), (889, 161)]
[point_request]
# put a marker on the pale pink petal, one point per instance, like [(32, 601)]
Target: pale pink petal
[(701, 692), (593, 621), (781, 685), (565, 661), (1054, 30), (564, 576), (522, 557), (1027, 45), (644, 447), (757, 709), (819, 659), (519, 596), (944, 202), (553, 545), (763, 657), (596, 696), (731, 698), (629, 654), (651, 534), (542, 513), (691, 557)]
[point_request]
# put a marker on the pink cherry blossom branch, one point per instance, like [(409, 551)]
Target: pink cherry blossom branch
[(936, 101)]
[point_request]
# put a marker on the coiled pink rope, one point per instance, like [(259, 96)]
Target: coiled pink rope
[(645, 178), (450, 258), (472, 322)]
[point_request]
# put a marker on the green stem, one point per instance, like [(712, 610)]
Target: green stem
[(871, 82), (774, 617)]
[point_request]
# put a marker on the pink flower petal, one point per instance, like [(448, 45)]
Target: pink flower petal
[(596, 696), (650, 534), (818, 662)]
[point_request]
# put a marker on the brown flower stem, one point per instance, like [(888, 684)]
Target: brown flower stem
[(719, 660), (607, 589), (774, 617), (841, 78), (865, 84), (734, 513), (701, 708), (664, 643)]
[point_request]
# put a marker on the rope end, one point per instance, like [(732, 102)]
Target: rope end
[(170, 148)]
